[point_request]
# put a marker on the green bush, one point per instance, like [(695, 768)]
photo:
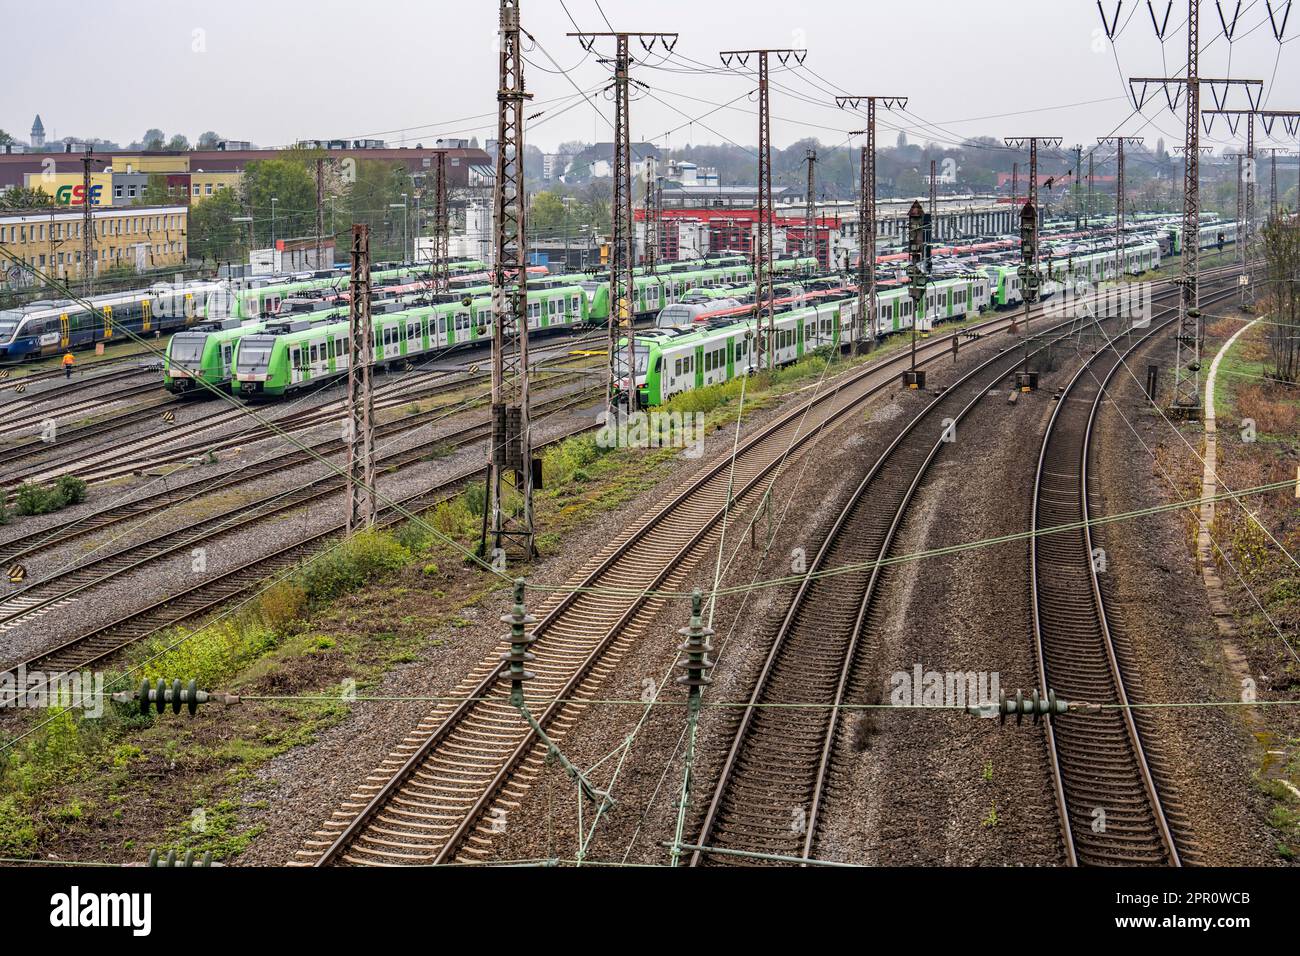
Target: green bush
[(4, 508), (357, 561), (32, 499), (72, 489)]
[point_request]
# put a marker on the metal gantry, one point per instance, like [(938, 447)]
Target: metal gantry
[(511, 448), (320, 210), (867, 212), (361, 401), (763, 295), (622, 289), (651, 258), (1119, 143)]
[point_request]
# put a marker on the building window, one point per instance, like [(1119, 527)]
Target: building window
[(117, 191), (130, 192), (207, 189), (196, 189)]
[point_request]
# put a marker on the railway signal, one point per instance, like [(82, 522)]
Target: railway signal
[(1027, 381), (917, 280)]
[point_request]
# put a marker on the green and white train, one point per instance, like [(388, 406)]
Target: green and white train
[(291, 355), (1070, 270), (669, 361)]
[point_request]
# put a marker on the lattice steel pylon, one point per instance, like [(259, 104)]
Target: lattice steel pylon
[(622, 311), (1187, 368), (320, 210), (87, 225), (651, 219), (1119, 142), (440, 268), (510, 453), (1019, 142), (361, 402), (867, 307), (763, 294)]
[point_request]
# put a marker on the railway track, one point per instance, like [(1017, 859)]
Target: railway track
[(95, 647), (21, 402), (1100, 768), (108, 464), (777, 767), (66, 586), (433, 799)]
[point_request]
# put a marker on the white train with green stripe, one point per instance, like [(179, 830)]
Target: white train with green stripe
[(670, 361), (291, 355), (1098, 264)]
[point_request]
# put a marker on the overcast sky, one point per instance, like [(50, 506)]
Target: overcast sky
[(408, 71)]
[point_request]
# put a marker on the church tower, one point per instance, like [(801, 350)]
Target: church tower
[(38, 133)]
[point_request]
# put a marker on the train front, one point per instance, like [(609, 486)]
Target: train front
[(184, 368), (641, 357), (253, 364), (10, 349)]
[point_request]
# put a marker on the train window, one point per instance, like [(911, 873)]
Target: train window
[(677, 368), (442, 325)]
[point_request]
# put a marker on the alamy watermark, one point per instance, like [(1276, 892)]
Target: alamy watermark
[(653, 429), (1109, 300), (35, 690), (947, 689)]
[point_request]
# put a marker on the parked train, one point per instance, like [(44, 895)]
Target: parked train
[(50, 327), (669, 361)]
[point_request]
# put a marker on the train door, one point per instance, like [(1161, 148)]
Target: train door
[(65, 332), (189, 308), (146, 313), (227, 352), (295, 365), (108, 322)]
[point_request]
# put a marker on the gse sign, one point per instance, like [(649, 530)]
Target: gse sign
[(76, 195)]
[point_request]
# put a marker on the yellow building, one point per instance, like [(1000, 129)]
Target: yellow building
[(50, 240), (204, 185), (66, 188)]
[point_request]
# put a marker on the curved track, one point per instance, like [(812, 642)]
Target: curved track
[(1110, 807)]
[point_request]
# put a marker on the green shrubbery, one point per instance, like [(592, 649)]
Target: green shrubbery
[(33, 499)]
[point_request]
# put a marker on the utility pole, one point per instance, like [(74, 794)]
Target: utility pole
[(1078, 174), (1088, 215), (440, 268), (622, 289), (651, 219), (868, 313), (361, 399), (320, 209), (934, 219), (511, 449), (87, 225), (1187, 368), (1272, 178), (810, 210), (1119, 142), (1015, 184), (763, 296)]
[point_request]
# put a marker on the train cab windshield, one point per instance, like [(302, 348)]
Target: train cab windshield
[(187, 348), (642, 353), (9, 324), (254, 353)]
